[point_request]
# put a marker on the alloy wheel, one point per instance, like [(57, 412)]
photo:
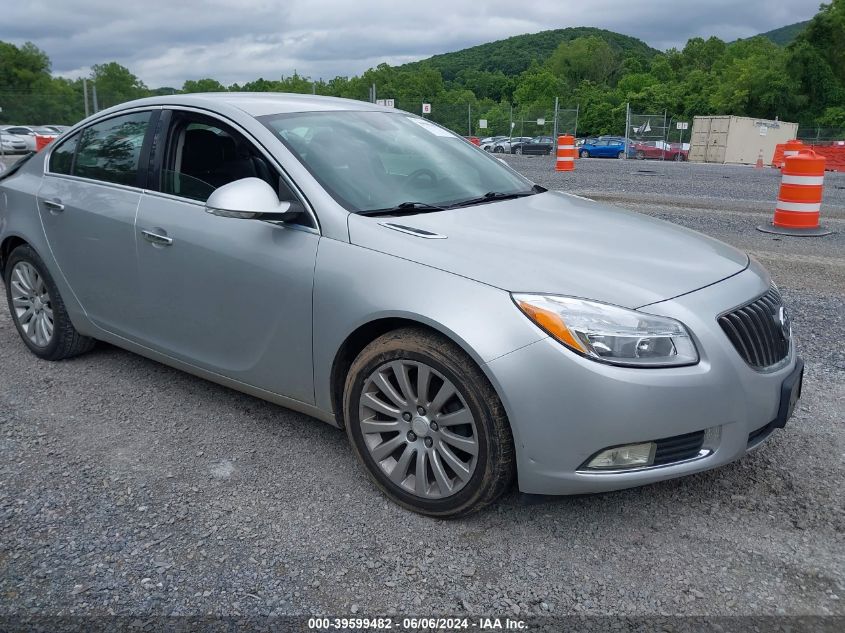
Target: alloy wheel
[(31, 304), (418, 429)]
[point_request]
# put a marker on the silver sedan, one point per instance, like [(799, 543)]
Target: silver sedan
[(466, 327)]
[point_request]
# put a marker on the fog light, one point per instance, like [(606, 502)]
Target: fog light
[(629, 456)]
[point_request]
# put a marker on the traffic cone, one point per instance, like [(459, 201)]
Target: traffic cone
[(800, 198), (759, 163)]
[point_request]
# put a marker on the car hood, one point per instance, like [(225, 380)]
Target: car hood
[(557, 243)]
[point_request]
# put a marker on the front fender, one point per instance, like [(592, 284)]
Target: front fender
[(354, 286)]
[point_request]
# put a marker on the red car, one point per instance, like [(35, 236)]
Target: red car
[(658, 150), (474, 140)]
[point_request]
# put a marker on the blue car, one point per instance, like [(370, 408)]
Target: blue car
[(602, 148)]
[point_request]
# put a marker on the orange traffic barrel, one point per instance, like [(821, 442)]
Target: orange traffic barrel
[(790, 148), (565, 153), (800, 198), (41, 142)]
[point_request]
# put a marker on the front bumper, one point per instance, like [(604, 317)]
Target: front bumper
[(564, 408)]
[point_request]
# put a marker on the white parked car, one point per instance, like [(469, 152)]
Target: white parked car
[(28, 133), (11, 143), (487, 144)]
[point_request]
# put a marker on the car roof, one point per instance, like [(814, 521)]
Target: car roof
[(258, 103)]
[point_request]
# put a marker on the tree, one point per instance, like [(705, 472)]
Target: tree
[(116, 84), (24, 82), (584, 59), (538, 86), (203, 85), (826, 34)]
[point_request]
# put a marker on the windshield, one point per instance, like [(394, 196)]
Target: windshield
[(380, 160)]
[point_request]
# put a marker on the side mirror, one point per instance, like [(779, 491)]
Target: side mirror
[(250, 199)]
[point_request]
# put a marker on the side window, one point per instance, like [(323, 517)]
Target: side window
[(203, 154), (110, 150), (61, 160)]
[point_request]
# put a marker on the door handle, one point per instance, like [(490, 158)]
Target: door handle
[(55, 205), (155, 238)]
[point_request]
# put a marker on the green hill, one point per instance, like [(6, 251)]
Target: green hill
[(785, 34), (515, 54)]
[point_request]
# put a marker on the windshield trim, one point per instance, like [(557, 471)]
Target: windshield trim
[(266, 120)]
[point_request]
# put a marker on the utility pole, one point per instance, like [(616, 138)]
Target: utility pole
[(94, 96), (554, 126), (469, 119), (85, 92), (510, 129), (577, 112), (627, 125)]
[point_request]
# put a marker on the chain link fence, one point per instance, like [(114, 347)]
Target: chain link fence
[(496, 119), (645, 131), (818, 135)]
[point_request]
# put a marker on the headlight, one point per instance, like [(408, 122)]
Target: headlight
[(611, 334)]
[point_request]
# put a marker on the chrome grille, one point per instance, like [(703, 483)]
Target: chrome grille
[(759, 330)]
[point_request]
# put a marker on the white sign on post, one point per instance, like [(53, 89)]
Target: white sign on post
[(389, 103), (541, 121), (380, 102), (482, 124), (682, 125), (426, 108)]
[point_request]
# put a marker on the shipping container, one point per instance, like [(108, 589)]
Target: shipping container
[(737, 139)]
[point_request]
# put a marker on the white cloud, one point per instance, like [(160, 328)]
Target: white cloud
[(166, 42)]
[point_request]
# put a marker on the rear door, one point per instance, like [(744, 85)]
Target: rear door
[(231, 296), (87, 202)]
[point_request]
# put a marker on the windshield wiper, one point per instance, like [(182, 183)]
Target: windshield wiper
[(494, 196), (404, 208)]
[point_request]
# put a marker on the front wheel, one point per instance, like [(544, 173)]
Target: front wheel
[(498, 150), (518, 150), (680, 158), (37, 309), (621, 154), (427, 425), (585, 153), (640, 155)]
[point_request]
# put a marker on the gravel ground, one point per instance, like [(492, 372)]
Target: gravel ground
[(130, 488)]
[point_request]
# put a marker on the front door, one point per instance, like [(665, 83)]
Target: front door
[(231, 296)]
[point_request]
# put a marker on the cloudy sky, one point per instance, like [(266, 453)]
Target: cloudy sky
[(165, 42)]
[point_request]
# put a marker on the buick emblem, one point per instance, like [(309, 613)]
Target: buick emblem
[(783, 322)]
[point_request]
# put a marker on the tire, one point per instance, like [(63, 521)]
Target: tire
[(585, 153), (518, 150), (640, 155), (498, 150), (679, 158), (63, 340), (621, 154), (492, 468)]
